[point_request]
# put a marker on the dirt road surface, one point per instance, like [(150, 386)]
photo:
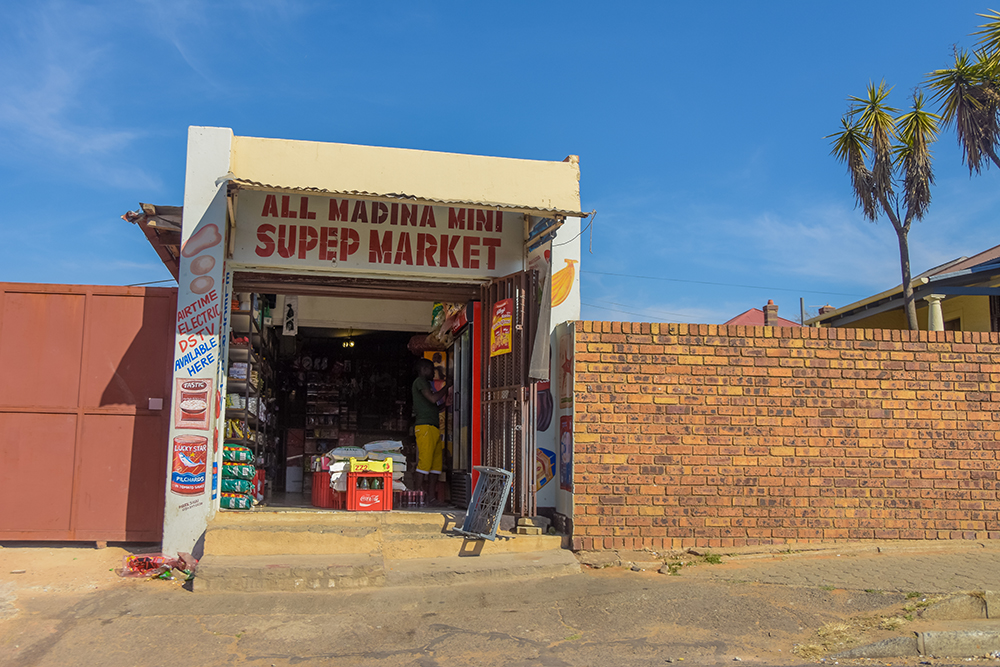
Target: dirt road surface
[(69, 608)]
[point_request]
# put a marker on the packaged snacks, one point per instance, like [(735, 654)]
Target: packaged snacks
[(236, 485), (237, 470), (237, 454), (236, 401), (235, 501)]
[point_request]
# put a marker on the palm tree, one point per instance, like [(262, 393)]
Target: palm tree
[(968, 95), (884, 151)]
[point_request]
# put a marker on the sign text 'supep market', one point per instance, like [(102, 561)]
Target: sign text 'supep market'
[(301, 231)]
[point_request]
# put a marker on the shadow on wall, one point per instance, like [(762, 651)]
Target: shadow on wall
[(133, 364)]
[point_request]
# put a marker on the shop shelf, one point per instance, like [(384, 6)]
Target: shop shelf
[(241, 386), (244, 353)]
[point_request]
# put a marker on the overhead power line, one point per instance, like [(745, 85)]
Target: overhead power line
[(652, 311), (705, 282), (616, 310), (154, 282)]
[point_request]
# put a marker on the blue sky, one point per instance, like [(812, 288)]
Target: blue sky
[(700, 128)]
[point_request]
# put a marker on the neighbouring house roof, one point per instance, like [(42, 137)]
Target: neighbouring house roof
[(755, 318), (976, 275)]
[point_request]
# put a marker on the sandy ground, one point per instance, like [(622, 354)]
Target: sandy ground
[(69, 607), (28, 570)]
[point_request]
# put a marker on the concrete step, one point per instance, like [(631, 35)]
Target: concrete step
[(427, 545), (296, 572), (319, 573), (261, 533), (394, 535), (462, 569)]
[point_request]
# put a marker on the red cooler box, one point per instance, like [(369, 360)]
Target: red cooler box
[(322, 494)]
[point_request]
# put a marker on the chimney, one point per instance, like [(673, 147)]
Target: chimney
[(826, 309), (770, 314)]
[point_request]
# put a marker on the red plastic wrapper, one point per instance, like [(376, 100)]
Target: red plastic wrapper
[(156, 565)]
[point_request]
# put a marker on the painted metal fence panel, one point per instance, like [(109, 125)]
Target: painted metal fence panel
[(82, 445)]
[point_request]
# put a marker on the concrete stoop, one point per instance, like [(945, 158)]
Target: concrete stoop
[(313, 551), (346, 571)]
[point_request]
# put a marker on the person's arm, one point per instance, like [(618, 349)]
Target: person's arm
[(435, 396)]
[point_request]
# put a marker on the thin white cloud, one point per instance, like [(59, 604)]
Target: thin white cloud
[(827, 244), (53, 54)]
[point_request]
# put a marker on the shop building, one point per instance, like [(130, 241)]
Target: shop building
[(310, 275)]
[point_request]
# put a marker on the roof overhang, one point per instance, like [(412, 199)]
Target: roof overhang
[(162, 227)]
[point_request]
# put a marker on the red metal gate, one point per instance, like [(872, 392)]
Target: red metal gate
[(83, 443), (508, 439)]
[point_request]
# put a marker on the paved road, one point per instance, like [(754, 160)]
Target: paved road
[(756, 610), (606, 618), (895, 568)]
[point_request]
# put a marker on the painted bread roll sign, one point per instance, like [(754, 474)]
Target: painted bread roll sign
[(299, 231)]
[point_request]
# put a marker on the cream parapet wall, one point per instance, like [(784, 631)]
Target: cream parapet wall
[(214, 156)]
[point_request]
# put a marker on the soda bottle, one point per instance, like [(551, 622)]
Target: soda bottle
[(362, 482)]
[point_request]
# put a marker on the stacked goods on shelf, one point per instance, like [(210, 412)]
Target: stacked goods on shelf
[(353, 399), (391, 450), (238, 473), (339, 463), (247, 403)]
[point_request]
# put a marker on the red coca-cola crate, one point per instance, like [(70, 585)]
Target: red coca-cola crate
[(368, 499), (322, 494)]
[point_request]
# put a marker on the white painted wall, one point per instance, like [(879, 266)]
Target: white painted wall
[(208, 153)]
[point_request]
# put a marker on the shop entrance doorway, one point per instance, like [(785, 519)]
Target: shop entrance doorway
[(489, 416)]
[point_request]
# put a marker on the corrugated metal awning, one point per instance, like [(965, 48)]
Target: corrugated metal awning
[(239, 183), (162, 228)]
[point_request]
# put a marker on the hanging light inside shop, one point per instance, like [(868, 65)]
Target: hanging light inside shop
[(350, 339)]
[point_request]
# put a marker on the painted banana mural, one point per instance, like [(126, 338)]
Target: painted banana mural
[(562, 282)]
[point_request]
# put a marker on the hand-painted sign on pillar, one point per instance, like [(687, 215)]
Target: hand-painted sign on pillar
[(197, 342)]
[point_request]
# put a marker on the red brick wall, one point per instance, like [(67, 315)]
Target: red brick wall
[(716, 436)]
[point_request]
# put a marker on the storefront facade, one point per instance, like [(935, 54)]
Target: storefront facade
[(380, 234)]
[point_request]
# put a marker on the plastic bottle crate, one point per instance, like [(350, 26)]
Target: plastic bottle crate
[(339, 500), (369, 500), (322, 494)]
